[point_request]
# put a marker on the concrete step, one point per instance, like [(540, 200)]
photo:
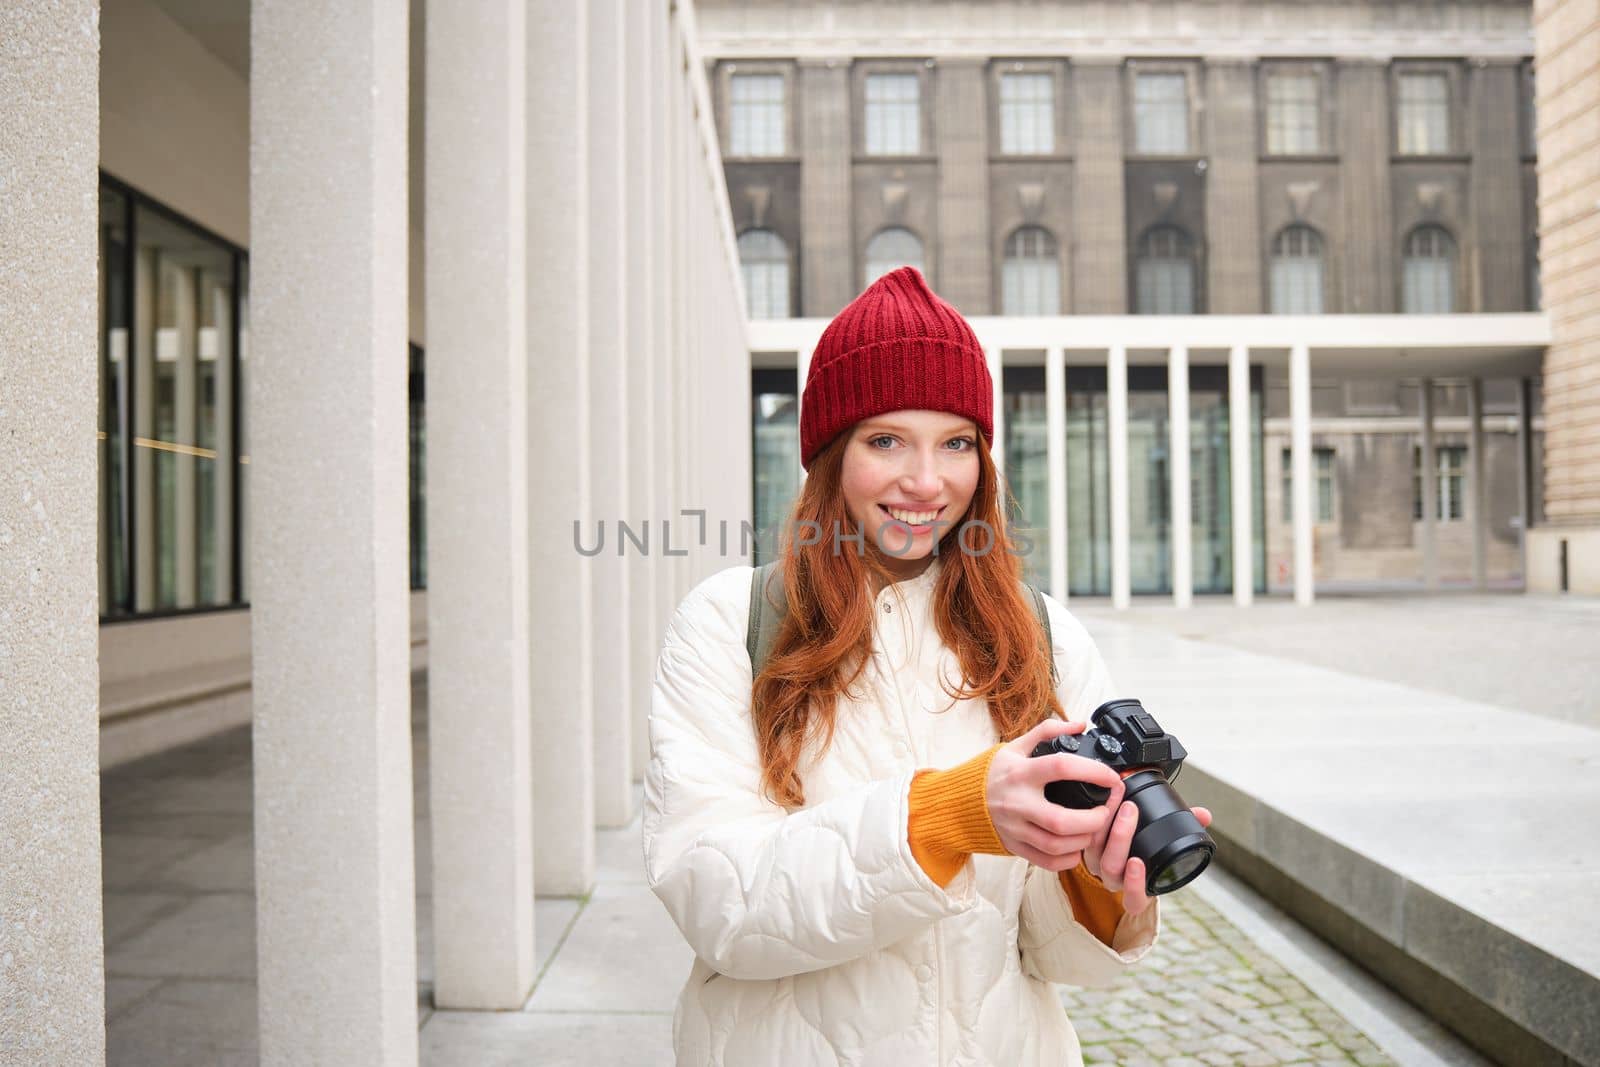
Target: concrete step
[(1451, 847)]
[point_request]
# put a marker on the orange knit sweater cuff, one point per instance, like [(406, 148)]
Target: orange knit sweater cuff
[(1096, 908), (949, 817)]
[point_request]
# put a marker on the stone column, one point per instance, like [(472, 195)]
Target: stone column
[(561, 620), (330, 604), (802, 366), (1055, 408), (609, 427), (1239, 470), (1499, 231), (1182, 528), (827, 247), (996, 360), (1117, 431), (1099, 250), (1233, 239), (641, 377), (1525, 461), (480, 783), (1430, 492), (1367, 254), (1477, 497), (52, 975), (1300, 471), (961, 125)]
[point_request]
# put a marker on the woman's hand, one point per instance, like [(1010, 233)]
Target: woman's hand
[(1107, 856), (1045, 834)]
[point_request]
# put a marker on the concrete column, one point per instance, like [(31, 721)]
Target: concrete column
[(827, 249), (1430, 492), (52, 974), (330, 606), (1239, 470), (668, 500), (963, 255), (802, 363), (1117, 430), (1182, 530), (1300, 471), (610, 429), (1524, 469), (480, 782), (1100, 245), (996, 360), (640, 380), (561, 618), (1055, 409), (1477, 498)]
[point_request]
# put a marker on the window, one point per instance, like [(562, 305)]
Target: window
[(1297, 272), (756, 115), (1027, 114), (1164, 274), (1294, 125), (891, 249), (1428, 281), (1423, 114), (1451, 463), (1031, 279), (893, 117), (1161, 114), (764, 262), (1322, 482)]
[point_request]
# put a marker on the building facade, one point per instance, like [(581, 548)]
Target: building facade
[(1220, 158)]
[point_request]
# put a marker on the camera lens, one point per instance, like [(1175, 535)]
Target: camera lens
[(1174, 846)]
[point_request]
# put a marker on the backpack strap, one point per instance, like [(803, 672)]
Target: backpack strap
[(766, 615), (1042, 613)]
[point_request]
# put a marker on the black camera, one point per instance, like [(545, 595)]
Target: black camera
[(1174, 846)]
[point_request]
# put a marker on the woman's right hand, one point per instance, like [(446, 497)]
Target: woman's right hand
[(1045, 834)]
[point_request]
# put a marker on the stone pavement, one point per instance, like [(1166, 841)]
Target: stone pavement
[(181, 954)]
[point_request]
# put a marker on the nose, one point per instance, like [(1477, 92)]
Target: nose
[(921, 478)]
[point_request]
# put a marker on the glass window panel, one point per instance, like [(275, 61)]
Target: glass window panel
[(1161, 114), (183, 399), (1450, 465), (1423, 114), (1027, 113), (1297, 272), (1322, 485), (1428, 276), (1293, 114), (756, 115), (1164, 273), (764, 262), (776, 462), (1031, 274), (890, 250), (893, 126), (113, 502)]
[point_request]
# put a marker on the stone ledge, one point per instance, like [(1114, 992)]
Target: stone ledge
[(1511, 999)]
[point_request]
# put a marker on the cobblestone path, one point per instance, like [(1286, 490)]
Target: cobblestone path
[(1208, 995)]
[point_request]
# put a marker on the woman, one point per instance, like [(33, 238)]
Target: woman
[(846, 902)]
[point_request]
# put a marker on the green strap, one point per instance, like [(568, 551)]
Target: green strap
[(767, 612)]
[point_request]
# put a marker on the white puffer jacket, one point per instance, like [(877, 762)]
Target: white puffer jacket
[(819, 939)]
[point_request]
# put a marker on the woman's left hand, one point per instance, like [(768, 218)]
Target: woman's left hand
[(1108, 860)]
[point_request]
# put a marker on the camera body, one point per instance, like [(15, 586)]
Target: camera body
[(1170, 841), (1124, 737)]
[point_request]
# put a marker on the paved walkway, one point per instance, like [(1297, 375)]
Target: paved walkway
[(181, 956)]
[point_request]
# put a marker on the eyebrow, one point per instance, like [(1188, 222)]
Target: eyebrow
[(880, 424)]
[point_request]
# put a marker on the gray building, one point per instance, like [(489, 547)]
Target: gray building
[(1163, 158)]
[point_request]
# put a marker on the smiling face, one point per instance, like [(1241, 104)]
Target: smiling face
[(904, 471)]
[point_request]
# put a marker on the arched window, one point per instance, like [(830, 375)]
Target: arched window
[(1031, 276), (764, 260), (1428, 282), (1164, 273), (1297, 272), (892, 249)]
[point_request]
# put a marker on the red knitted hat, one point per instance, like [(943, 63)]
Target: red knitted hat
[(894, 347)]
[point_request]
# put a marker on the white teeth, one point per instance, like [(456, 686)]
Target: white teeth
[(912, 518)]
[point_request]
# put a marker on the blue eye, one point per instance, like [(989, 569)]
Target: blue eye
[(968, 442), (873, 441)]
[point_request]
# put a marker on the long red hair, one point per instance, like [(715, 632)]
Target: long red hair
[(825, 641)]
